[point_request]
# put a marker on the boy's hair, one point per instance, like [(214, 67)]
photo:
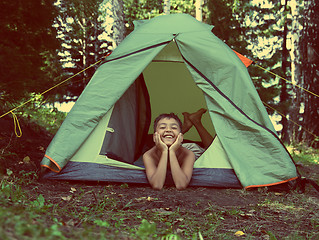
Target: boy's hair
[(167, 115)]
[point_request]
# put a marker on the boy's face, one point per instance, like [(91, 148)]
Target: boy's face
[(168, 129)]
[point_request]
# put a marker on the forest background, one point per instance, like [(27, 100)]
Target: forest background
[(49, 50), (45, 42)]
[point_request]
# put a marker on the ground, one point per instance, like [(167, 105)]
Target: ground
[(259, 213)]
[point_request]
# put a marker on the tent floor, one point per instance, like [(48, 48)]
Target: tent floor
[(82, 171)]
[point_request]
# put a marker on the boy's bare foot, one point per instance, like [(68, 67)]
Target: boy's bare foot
[(187, 122), (196, 117)]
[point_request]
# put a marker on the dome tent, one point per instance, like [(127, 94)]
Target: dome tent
[(171, 63)]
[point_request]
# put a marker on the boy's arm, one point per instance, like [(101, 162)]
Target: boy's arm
[(181, 174), (156, 174)]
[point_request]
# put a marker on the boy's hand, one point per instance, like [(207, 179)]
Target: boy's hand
[(177, 143), (159, 143)]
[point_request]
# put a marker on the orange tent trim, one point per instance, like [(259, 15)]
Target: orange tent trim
[(245, 60), (57, 165), (270, 184)]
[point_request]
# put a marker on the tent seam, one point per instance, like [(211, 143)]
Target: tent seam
[(137, 51)]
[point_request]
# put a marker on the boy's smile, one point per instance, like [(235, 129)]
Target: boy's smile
[(168, 129)]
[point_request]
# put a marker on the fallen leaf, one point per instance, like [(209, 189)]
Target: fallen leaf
[(140, 199), (41, 148), (71, 223), (151, 199), (72, 190), (178, 230), (68, 198), (239, 233), (9, 172), (145, 198), (26, 159), (164, 211), (266, 237), (178, 220)]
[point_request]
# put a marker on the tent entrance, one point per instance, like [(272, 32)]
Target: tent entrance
[(172, 89)]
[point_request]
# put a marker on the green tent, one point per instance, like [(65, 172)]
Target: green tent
[(171, 63)]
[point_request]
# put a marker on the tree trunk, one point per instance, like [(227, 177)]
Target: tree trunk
[(284, 96), (310, 65), (119, 23), (199, 12), (167, 7), (295, 111)]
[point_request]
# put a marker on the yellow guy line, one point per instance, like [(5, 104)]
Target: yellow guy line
[(16, 125), (11, 111), (283, 115), (287, 80)]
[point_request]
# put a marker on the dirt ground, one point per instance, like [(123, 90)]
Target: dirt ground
[(26, 152)]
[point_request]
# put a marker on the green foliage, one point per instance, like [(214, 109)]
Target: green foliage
[(303, 154), (39, 113), (39, 202), (147, 9), (10, 190), (27, 39), (228, 23), (139, 10), (101, 223), (146, 230)]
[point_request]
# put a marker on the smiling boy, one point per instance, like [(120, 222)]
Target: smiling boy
[(168, 154)]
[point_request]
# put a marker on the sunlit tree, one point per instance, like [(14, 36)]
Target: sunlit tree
[(80, 29)]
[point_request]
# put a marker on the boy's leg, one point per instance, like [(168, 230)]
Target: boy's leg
[(196, 119), (187, 124)]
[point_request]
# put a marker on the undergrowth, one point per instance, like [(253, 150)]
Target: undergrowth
[(103, 213), (37, 112)]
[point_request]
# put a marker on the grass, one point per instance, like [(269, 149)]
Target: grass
[(104, 213)]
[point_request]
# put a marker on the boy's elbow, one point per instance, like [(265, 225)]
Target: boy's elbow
[(157, 187), (181, 186)]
